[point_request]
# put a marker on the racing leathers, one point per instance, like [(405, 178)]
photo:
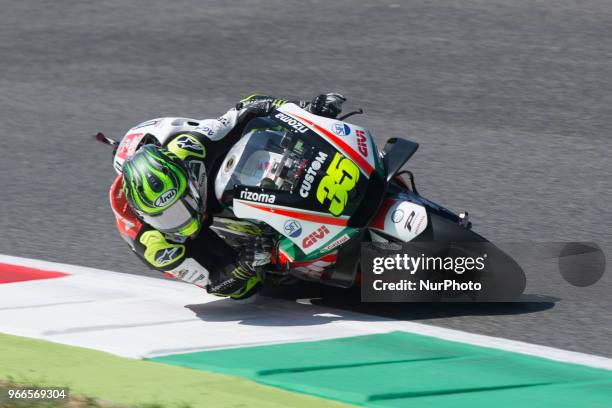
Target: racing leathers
[(203, 258)]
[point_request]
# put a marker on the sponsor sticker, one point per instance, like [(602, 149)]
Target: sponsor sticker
[(341, 129), (315, 166), (362, 142), (337, 243), (297, 126), (342, 176), (410, 221), (405, 220), (293, 228), (128, 145), (187, 143), (315, 236), (206, 130), (258, 197), (397, 216), (165, 198), (167, 256)]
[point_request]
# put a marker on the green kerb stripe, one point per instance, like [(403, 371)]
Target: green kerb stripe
[(407, 370)]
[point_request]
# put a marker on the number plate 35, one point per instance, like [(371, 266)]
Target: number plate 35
[(341, 177)]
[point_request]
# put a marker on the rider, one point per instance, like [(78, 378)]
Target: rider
[(160, 198)]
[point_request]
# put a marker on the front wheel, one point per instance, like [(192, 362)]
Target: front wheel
[(502, 278)]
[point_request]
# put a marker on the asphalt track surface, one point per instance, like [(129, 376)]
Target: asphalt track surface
[(510, 101)]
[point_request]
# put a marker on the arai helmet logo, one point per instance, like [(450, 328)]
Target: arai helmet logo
[(341, 129), (165, 198)]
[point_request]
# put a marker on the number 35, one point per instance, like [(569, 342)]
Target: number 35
[(342, 176)]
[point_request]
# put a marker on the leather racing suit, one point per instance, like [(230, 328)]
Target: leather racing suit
[(204, 259)]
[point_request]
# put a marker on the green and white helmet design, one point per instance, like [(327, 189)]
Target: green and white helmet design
[(162, 192)]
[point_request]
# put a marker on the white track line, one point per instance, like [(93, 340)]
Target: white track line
[(139, 316)]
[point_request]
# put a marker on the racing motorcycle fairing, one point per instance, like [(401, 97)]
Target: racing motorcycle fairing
[(292, 178), (400, 218), (305, 177), (321, 184), (308, 230), (354, 142), (154, 131), (395, 155)]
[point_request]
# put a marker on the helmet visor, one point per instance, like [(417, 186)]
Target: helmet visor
[(174, 218), (182, 217)]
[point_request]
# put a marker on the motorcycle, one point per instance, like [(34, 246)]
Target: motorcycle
[(321, 188)]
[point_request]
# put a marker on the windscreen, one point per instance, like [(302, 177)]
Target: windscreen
[(298, 166), (267, 156)]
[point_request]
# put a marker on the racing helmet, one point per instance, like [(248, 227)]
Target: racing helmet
[(163, 192)]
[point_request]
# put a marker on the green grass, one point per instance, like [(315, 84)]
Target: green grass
[(128, 382)]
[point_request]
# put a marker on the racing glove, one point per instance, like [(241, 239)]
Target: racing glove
[(243, 279), (237, 282), (328, 105), (258, 252), (255, 108)]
